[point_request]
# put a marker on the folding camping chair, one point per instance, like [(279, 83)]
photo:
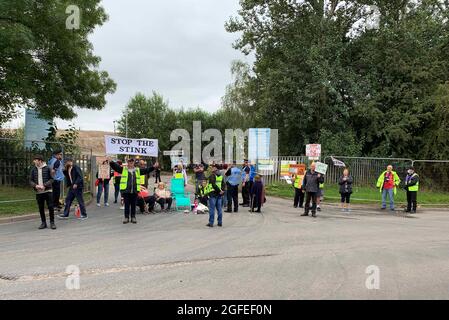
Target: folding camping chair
[(181, 198)]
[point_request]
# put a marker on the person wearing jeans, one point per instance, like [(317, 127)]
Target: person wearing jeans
[(387, 183), (41, 180), (104, 184), (75, 184), (215, 193), (56, 167)]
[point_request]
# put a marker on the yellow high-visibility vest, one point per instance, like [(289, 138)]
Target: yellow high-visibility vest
[(124, 179)]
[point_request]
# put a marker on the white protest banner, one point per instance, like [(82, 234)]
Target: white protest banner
[(141, 147), (313, 151), (104, 171), (321, 167)]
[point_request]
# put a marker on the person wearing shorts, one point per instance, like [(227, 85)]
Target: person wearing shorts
[(345, 183)]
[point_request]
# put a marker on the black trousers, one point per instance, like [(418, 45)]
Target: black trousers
[(256, 202), (151, 200), (310, 196), (246, 192), (163, 201), (204, 200), (233, 196), (41, 199), (411, 200), (158, 177), (299, 198), (56, 186), (130, 200)]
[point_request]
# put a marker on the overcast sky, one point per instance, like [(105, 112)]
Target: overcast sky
[(178, 48)]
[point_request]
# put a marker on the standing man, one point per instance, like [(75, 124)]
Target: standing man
[(75, 183), (311, 185), (412, 187), (199, 176), (130, 185), (387, 183), (246, 170), (234, 177), (215, 193), (56, 167), (41, 180)]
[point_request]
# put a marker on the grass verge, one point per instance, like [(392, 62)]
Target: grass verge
[(21, 201), (364, 195)]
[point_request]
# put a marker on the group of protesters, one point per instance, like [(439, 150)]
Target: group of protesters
[(310, 186), (217, 186)]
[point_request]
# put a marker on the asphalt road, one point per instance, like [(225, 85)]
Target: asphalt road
[(273, 255)]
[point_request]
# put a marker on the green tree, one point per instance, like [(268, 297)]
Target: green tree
[(44, 65)]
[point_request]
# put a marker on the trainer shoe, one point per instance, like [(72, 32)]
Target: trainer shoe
[(82, 218), (43, 226), (98, 205), (106, 204), (209, 225), (62, 216), (52, 226), (133, 220)]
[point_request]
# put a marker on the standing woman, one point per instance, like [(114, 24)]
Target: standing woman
[(103, 184), (180, 173), (345, 183), (130, 185)]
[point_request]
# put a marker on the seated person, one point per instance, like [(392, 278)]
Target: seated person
[(202, 196), (163, 196), (144, 197)]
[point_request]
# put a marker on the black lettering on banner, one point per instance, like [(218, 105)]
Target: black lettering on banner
[(122, 149)]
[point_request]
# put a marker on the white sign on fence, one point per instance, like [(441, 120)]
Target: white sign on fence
[(174, 153), (313, 151), (321, 167), (141, 147)]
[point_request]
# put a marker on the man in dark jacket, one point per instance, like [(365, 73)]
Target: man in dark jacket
[(41, 180), (130, 185), (75, 183), (411, 187), (215, 193), (311, 185)]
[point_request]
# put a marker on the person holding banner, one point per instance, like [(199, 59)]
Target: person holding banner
[(299, 192), (117, 177), (130, 185), (103, 183), (345, 183), (311, 184)]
